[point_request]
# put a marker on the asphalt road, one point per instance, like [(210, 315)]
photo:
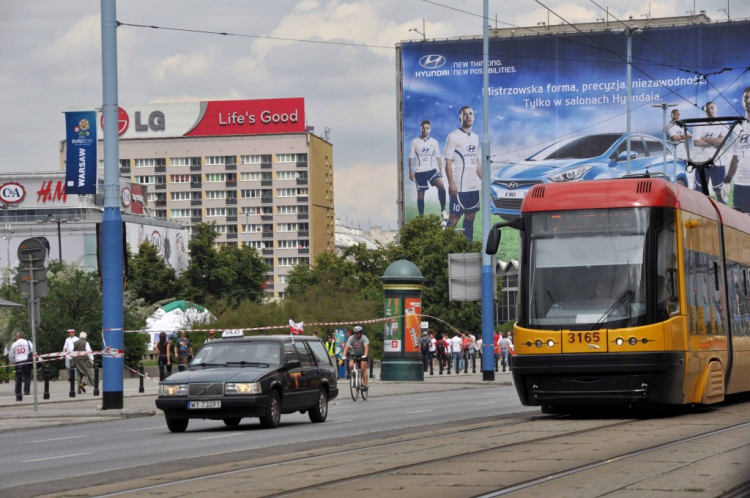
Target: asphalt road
[(48, 454)]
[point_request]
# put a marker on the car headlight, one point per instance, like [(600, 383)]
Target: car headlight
[(242, 388), (174, 389), (570, 174)]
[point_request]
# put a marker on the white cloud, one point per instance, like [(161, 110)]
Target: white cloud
[(366, 191)]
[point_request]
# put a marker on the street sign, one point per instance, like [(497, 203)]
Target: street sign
[(33, 248), (465, 277), (41, 284)]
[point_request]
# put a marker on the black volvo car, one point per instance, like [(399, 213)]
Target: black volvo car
[(260, 376)]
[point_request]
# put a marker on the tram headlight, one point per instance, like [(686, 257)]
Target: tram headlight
[(619, 341), (538, 343), (551, 343), (632, 341)]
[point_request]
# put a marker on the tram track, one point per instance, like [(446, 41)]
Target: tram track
[(329, 456)]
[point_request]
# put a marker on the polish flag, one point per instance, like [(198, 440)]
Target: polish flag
[(296, 328)]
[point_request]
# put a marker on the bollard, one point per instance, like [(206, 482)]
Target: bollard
[(7, 370), (19, 381), (72, 393), (474, 363), (45, 375), (466, 363), (440, 365), (141, 389), (96, 380), (372, 366), (450, 364), (496, 358)]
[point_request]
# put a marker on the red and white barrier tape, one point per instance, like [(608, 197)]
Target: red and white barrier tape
[(145, 376)]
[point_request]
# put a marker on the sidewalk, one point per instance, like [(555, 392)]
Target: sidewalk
[(61, 409)]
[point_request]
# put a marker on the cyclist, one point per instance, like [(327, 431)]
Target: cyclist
[(359, 346)]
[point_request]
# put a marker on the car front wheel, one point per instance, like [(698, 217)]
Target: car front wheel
[(177, 424), (272, 417), (319, 412)]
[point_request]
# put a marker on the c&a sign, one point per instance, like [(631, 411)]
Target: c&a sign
[(12, 192)]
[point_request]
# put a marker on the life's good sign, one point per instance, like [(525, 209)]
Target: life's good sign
[(12, 193), (248, 117)]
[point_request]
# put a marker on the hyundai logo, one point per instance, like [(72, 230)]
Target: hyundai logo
[(471, 148), (512, 185), (432, 61)]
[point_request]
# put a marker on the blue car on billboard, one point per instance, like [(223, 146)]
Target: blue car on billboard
[(591, 157)]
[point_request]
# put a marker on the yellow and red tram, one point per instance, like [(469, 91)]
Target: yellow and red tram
[(631, 290)]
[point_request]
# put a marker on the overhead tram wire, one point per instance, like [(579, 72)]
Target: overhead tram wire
[(537, 31), (691, 69), (348, 44)]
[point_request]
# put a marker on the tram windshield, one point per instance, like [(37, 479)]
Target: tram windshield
[(588, 269)]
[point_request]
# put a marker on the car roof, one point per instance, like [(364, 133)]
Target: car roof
[(273, 338)]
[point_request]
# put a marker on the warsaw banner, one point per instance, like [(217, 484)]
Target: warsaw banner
[(81, 163)]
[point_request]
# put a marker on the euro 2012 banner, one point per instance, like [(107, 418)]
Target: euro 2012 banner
[(81, 163), (557, 113)]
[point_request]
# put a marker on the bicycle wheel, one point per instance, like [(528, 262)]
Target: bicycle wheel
[(361, 385), (353, 384)]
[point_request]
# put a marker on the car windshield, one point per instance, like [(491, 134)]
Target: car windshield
[(252, 354), (577, 148), (586, 269)]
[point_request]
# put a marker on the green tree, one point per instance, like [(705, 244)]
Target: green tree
[(203, 276), (246, 271), (149, 276)]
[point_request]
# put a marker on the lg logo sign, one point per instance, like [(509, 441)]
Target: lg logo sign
[(156, 121)]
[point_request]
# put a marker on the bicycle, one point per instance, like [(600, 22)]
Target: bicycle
[(355, 379)]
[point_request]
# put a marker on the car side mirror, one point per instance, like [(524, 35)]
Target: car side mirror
[(292, 364), (624, 155)]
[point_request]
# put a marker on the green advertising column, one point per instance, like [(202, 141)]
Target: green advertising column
[(402, 358)]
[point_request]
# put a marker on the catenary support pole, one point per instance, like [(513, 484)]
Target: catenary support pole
[(112, 250), (487, 271)]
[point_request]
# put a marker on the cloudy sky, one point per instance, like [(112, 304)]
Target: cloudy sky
[(51, 59)]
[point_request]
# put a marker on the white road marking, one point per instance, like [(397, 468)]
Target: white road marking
[(420, 411), (338, 421), (223, 435), (53, 458), (490, 403), (57, 439), (148, 429)]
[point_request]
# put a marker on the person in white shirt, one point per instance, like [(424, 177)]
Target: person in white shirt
[(70, 341), (425, 151), (479, 347), (457, 351), (463, 167), (84, 363), (739, 167), (21, 355), (676, 136), (708, 139)]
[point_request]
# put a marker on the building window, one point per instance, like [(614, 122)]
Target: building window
[(287, 175), (150, 162), (256, 159), (124, 163), (253, 176), (216, 194), (160, 213), (214, 212), (292, 227), (179, 213), (507, 306), (215, 160), (179, 178), (286, 209), (179, 196), (216, 177), (290, 158), (292, 261), (269, 262), (153, 197), (282, 279), (252, 228), (145, 180), (294, 244)]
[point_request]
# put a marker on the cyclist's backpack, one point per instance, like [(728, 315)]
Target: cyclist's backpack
[(425, 345), (466, 343), (440, 347)]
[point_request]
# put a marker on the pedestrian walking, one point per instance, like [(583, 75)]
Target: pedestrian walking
[(504, 345), (70, 341), (457, 351), (21, 354), (183, 350), (164, 356), (84, 363), (424, 346)]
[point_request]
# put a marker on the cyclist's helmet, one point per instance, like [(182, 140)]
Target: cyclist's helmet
[(357, 329)]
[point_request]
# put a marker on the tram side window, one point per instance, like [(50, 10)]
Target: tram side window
[(737, 302), (705, 310), (666, 272)]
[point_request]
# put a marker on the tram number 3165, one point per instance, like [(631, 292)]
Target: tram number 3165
[(583, 337)]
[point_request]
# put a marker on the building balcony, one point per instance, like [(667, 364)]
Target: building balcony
[(230, 167), (305, 250), (267, 252), (266, 165), (267, 235), (231, 236), (196, 185), (160, 169), (195, 167), (301, 181), (161, 186), (232, 218), (196, 202), (231, 183), (232, 201), (266, 217), (266, 183), (266, 200), (161, 202), (302, 164), (124, 171), (269, 286), (303, 216), (196, 219), (303, 234), (302, 199)]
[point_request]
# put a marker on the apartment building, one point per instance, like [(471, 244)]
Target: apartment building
[(250, 166)]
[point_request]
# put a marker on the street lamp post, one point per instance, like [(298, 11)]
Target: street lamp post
[(629, 32)]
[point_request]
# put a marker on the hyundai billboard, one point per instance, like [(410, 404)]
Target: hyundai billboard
[(557, 112)]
